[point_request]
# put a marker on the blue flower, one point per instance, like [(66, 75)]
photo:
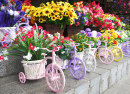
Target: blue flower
[(83, 14), (90, 43), (78, 14), (98, 43), (82, 22), (87, 30), (79, 19), (82, 32), (3, 1), (82, 18), (99, 34), (18, 3), (19, 8), (0, 4), (90, 34), (22, 13)]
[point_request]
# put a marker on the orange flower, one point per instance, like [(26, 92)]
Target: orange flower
[(114, 42)]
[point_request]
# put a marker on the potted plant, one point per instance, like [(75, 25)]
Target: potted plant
[(10, 13), (55, 15)]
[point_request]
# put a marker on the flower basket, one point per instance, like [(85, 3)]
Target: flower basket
[(87, 50), (60, 61), (34, 69), (54, 28), (72, 30), (7, 32), (80, 55)]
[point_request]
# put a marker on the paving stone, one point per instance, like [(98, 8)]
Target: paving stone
[(11, 88), (123, 86), (8, 79), (84, 92), (119, 72), (124, 70), (32, 84), (115, 91), (104, 78), (2, 69), (94, 89), (78, 85)]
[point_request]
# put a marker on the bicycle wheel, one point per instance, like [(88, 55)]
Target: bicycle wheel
[(22, 77), (90, 62), (106, 56), (79, 71), (117, 53), (126, 50), (55, 78)]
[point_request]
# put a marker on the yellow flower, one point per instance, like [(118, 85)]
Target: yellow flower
[(67, 13), (114, 35), (53, 18), (42, 5), (41, 20), (55, 11), (33, 17), (61, 9), (106, 31), (61, 17), (112, 30), (71, 15), (36, 14), (102, 31), (44, 18), (46, 11)]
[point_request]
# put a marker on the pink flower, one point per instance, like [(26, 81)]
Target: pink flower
[(62, 41), (31, 47), (3, 39), (33, 27), (23, 38), (54, 49), (51, 45), (45, 32), (29, 34), (5, 46), (40, 27), (1, 57), (59, 46), (5, 34)]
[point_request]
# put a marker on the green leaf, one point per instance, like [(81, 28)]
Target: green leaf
[(61, 26)]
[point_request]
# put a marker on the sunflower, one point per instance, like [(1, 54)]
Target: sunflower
[(58, 17), (61, 9), (46, 11), (55, 11), (41, 13), (52, 14), (71, 22), (61, 17), (53, 18), (33, 17), (36, 14), (61, 3), (71, 15), (41, 20), (67, 13), (42, 5), (44, 18)]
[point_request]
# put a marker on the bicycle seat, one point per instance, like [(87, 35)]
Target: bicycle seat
[(43, 54)]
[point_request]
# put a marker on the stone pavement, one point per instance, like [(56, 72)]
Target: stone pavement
[(104, 77), (122, 87)]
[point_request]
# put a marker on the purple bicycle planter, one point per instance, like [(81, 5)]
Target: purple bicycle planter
[(76, 66)]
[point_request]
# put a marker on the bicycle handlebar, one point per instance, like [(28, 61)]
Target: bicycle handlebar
[(76, 44), (46, 49), (90, 44)]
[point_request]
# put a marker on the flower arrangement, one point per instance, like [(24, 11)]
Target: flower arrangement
[(61, 13), (10, 13), (79, 10), (88, 37)]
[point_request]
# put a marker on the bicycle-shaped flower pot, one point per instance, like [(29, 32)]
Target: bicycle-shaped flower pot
[(117, 52), (105, 55), (53, 74), (89, 58), (126, 47), (75, 65)]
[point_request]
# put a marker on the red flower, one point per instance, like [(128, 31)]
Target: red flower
[(33, 27), (29, 34), (51, 45), (5, 34), (119, 36), (22, 20), (31, 47), (62, 41), (114, 42), (1, 57), (16, 40), (23, 38), (39, 34), (55, 38), (45, 32), (60, 46), (3, 39), (40, 27), (5, 46), (54, 49)]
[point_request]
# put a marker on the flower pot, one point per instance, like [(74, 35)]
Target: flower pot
[(72, 30), (11, 34), (34, 69), (60, 61), (92, 51), (53, 28)]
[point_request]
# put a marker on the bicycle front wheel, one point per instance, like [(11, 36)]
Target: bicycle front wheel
[(55, 78), (77, 68), (118, 54), (90, 62), (106, 56)]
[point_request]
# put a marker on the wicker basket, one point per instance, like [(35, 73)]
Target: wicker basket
[(53, 28), (72, 30), (34, 69)]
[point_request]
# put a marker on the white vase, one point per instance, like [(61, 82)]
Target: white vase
[(11, 31), (34, 69)]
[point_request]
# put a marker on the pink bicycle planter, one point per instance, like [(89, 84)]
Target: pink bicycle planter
[(53, 74)]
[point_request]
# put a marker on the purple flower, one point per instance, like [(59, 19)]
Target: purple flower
[(82, 22), (83, 14), (82, 18), (22, 13), (79, 19), (78, 14), (90, 43), (87, 30), (114, 1), (82, 32), (3, 1), (90, 34), (99, 34), (98, 43)]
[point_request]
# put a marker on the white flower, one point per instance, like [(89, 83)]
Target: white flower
[(28, 56), (5, 58), (11, 12), (94, 33), (3, 8), (57, 34), (16, 13), (62, 52), (36, 48), (5, 52), (50, 36)]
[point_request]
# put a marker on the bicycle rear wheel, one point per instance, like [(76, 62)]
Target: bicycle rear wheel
[(90, 62), (55, 78), (118, 54), (106, 56), (77, 68)]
